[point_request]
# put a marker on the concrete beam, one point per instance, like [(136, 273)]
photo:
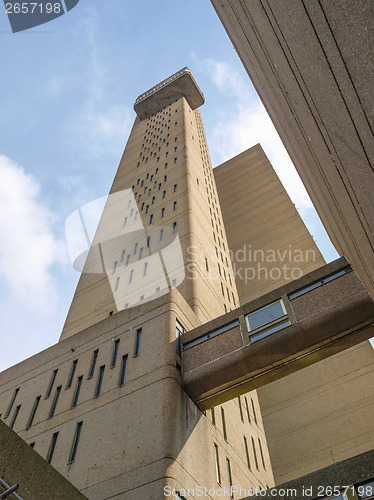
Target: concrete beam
[(294, 326)]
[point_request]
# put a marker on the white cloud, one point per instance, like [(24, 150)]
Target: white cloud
[(244, 123), (29, 248)]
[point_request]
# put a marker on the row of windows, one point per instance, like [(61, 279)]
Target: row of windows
[(57, 393), (247, 410)]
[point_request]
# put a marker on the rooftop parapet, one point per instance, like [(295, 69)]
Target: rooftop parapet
[(181, 83)]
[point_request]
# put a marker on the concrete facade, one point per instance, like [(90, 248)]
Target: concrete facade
[(114, 377), (312, 65), (323, 413)]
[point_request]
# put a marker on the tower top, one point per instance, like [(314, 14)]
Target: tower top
[(181, 83)]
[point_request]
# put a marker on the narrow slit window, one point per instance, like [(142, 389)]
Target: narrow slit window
[(228, 465), (77, 391), (76, 439), (241, 409), (174, 227), (51, 384), (262, 454), (9, 409), (115, 353), (213, 414), (254, 452), (216, 457), (100, 379), (138, 341), (33, 412), (128, 260), (247, 453), (52, 447), (148, 241), (123, 370), (247, 409), (224, 423), (93, 363), (15, 415), (254, 411), (161, 234), (54, 402), (145, 268), (117, 283), (131, 276), (72, 372)]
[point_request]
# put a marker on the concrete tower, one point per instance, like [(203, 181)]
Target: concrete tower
[(105, 405)]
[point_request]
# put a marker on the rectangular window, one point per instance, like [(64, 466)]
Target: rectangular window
[(77, 391), (262, 454), (131, 276), (99, 381), (175, 188), (125, 221), (216, 456), (148, 241), (33, 412), (72, 372), (55, 401), (123, 255), (175, 160), (179, 330), (123, 370), (162, 212), (266, 315), (229, 476), (164, 194), (174, 227), (52, 447), (151, 219), (115, 353), (138, 341), (93, 363), (247, 409), (165, 178), (166, 165), (254, 452), (153, 200), (15, 415), (76, 439), (247, 453), (135, 248), (254, 411), (213, 413), (175, 205), (145, 268), (223, 423), (117, 283), (161, 234), (51, 384), (9, 409), (241, 409), (128, 260), (140, 253)]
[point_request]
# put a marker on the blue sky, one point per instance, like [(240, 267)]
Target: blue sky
[(68, 89)]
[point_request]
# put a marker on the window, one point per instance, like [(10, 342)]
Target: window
[(147, 209), (166, 165), (93, 363), (51, 384), (254, 411), (72, 372), (179, 330), (241, 409), (175, 188), (74, 447), (127, 260), (117, 283), (261, 453), (135, 248), (125, 221), (145, 268), (161, 234), (254, 453), (99, 381), (174, 227), (164, 194), (175, 149), (52, 447), (175, 160), (138, 341), (162, 212), (268, 320), (247, 453), (131, 276), (123, 255), (153, 200), (148, 241), (15, 415), (175, 205), (213, 414), (77, 391), (229, 476), (247, 408), (151, 219), (223, 423), (159, 186), (33, 412), (9, 409), (115, 353), (141, 253), (216, 456), (55, 401), (123, 370)]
